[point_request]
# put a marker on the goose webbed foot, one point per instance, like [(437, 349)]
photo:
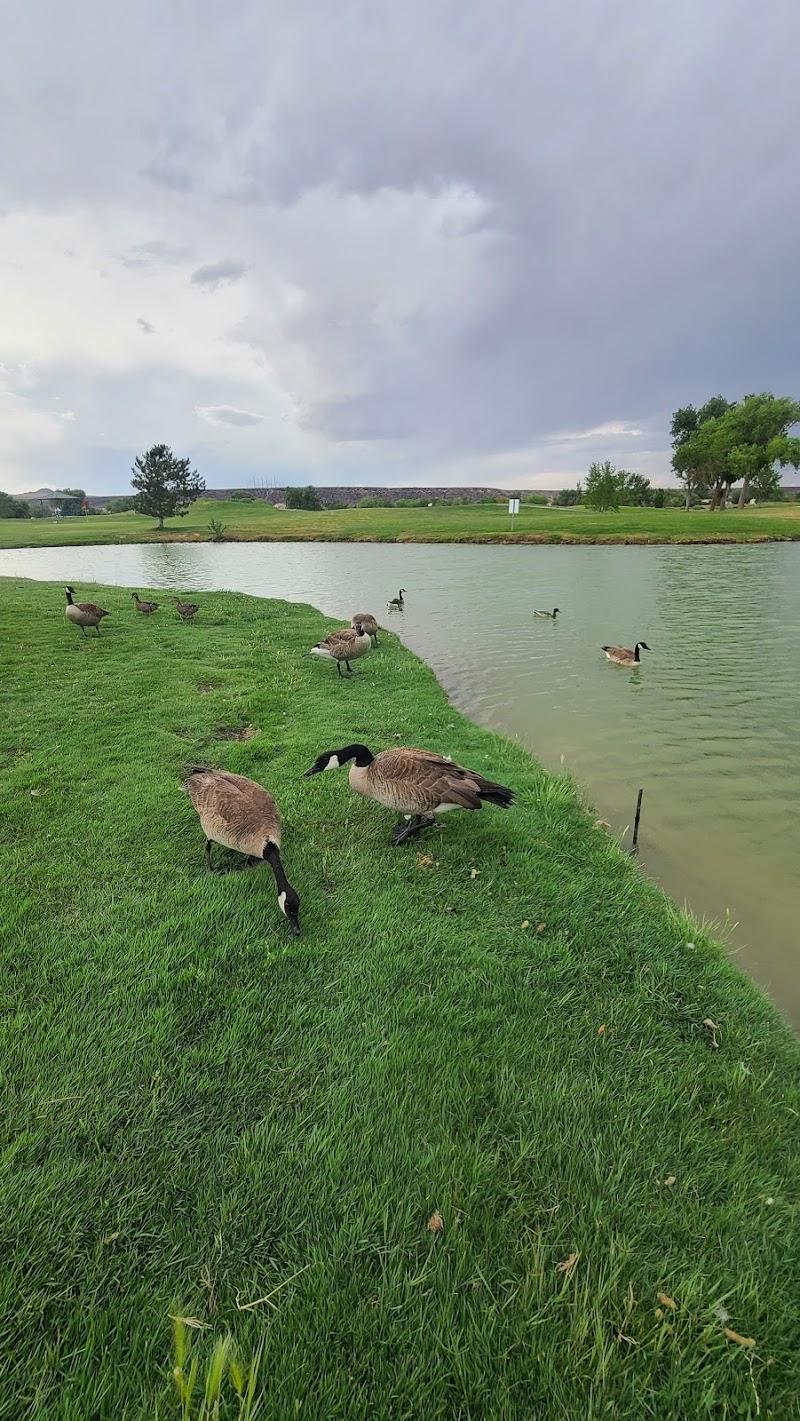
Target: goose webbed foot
[(402, 832)]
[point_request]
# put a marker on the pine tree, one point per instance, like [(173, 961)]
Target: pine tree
[(165, 484)]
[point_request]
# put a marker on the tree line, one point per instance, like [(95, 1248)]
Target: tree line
[(724, 442), (719, 444)]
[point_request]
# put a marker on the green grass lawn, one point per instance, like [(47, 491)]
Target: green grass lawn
[(478, 523), (502, 1023)]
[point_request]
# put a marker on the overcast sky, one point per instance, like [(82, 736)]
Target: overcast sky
[(436, 241)]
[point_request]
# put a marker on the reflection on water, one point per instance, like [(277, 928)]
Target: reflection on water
[(708, 725)]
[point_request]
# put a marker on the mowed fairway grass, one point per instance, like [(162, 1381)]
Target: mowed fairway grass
[(259, 521), (502, 1135)]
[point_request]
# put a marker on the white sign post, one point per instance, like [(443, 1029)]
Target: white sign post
[(513, 508)]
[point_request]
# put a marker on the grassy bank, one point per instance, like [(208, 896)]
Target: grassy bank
[(478, 523), (502, 1024)]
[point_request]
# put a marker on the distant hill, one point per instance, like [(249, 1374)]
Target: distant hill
[(350, 495)]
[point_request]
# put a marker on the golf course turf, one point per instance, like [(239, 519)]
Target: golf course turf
[(503, 1136)]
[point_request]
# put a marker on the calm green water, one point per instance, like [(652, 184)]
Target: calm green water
[(709, 726)]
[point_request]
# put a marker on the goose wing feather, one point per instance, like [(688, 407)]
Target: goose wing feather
[(233, 810), (433, 779)]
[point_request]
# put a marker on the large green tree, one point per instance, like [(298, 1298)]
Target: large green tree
[(604, 487), (165, 484), (759, 433), (635, 490), (695, 464), (723, 443)]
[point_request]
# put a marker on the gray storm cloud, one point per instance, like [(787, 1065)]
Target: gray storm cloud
[(215, 273), (465, 231)]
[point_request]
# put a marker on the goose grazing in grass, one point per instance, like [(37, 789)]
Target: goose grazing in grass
[(186, 609), (345, 646), (240, 815), (369, 624), (413, 782), (552, 615), (397, 603), (83, 614), (622, 656), (146, 608)]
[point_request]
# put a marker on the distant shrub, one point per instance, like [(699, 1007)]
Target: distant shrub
[(305, 498), (568, 497), (659, 498), (373, 500), (538, 500), (126, 503), (242, 495), (334, 504), (11, 507)]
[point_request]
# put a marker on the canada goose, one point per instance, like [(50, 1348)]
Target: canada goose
[(240, 815), (552, 614), (185, 609), (414, 782), (145, 607), (622, 656), (83, 614), (345, 646), (369, 624), (397, 602)]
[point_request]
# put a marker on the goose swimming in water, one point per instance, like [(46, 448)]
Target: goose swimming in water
[(622, 656)]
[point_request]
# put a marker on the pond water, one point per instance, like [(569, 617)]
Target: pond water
[(709, 726)]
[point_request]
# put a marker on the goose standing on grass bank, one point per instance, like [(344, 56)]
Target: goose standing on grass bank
[(185, 609), (83, 614), (413, 782), (552, 615), (240, 815), (146, 608), (397, 603), (622, 656), (369, 624), (344, 646)]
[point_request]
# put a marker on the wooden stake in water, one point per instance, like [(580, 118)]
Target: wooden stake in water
[(635, 843)]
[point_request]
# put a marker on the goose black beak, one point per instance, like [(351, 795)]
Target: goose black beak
[(294, 924), (313, 771)]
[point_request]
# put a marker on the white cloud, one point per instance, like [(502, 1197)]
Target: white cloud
[(28, 431), (612, 429), (228, 414)]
